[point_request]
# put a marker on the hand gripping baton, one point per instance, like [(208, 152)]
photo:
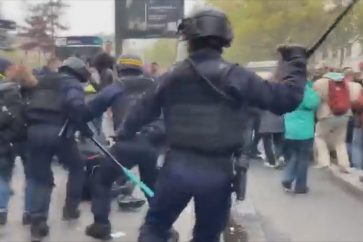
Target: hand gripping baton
[(126, 171)]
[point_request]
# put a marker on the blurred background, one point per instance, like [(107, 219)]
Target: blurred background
[(259, 26)]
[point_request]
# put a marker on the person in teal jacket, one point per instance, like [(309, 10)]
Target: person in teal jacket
[(299, 134)]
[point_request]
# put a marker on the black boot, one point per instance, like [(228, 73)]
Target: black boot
[(99, 231), (3, 217), (26, 219), (130, 202), (38, 228), (71, 213)]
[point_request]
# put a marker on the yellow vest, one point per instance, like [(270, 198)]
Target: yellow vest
[(2, 77), (89, 89)]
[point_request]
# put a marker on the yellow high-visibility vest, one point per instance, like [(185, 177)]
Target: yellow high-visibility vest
[(2, 77), (89, 89)]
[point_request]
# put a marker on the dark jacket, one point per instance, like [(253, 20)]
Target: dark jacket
[(111, 96), (244, 86), (271, 123), (12, 120), (74, 100)]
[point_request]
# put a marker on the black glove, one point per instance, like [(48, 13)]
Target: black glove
[(289, 52)]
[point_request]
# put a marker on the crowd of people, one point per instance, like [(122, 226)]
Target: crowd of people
[(33, 112), (204, 115), (325, 129)]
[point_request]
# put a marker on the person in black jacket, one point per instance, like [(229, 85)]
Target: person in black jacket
[(104, 64), (202, 99), (140, 150), (55, 99), (12, 131)]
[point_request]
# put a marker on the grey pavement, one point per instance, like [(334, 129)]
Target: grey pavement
[(125, 224), (328, 213)]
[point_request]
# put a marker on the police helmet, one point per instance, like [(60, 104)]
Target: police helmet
[(77, 67), (204, 23), (130, 62)]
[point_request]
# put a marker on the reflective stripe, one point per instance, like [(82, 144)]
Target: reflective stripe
[(130, 62)]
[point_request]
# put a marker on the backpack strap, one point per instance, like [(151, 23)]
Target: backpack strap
[(212, 86)]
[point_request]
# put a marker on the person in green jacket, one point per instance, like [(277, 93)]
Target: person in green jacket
[(299, 133)]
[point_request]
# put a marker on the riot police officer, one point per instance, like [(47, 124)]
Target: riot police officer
[(202, 99), (57, 97), (12, 130), (120, 96)]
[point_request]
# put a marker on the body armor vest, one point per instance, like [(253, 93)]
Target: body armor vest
[(45, 102), (134, 88), (198, 117)]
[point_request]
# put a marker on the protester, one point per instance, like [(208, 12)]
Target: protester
[(356, 146), (349, 76), (299, 133), (333, 116), (108, 47), (104, 64), (12, 130), (154, 69), (272, 131), (253, 151), (52, 66)]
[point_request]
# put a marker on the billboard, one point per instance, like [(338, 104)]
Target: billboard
[(82, 46), (7, 38), (151, 18), (79, 41), (7, 24)]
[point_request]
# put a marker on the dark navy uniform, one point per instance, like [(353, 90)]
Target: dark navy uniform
[(202, 99), (138, 150), (12, 130), (56, 98)]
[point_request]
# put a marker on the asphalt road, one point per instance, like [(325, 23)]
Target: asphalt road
[(327, 213), (125, 224)]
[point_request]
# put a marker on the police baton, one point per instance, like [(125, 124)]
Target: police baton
[(319, 42), (126, 171), (63, 129)]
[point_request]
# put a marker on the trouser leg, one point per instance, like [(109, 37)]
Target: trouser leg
[(267, 145)]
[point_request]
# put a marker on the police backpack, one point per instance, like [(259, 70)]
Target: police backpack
[(12, 122)]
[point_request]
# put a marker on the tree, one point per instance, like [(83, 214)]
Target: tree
[(42, 25), (163, 52), (259, 26)]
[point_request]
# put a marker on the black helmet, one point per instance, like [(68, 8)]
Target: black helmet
[(76, 67), (130, 62), (208, 22)]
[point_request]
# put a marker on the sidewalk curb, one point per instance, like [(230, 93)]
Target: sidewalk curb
[(349, 182), (244, 215)]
